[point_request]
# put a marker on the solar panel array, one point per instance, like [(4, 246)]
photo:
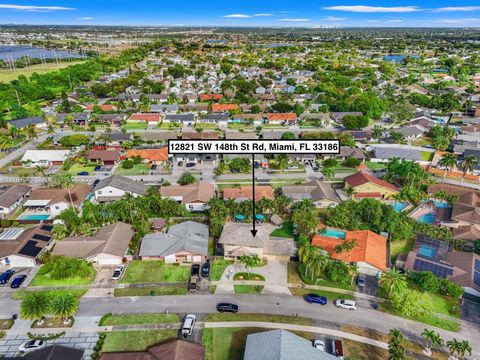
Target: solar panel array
[(41, 237), (30, 249), (476, 278), (437, 269), (477, 265), (47, 227)]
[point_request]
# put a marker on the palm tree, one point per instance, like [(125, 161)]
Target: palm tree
[(307, 252), (30, 132), (432, 338), (467, 165), (396, 347), (282, 204), (250, 261), (266, 205), (6, 142), (346, 246), (377, 132), (317, 264), (35, 305), (350, 191), (458, 348), (50, 129), (448, 161), (329, 172), (394, 281), (64, 305), (282, 161)]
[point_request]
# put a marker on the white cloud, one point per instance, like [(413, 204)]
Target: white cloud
[(373, 21), (86, 18), (259, 15), (295, 20), (457, 8), (333, 18), (34, 8), (374, 9), (395, 21), (464, 21), (238, 16)]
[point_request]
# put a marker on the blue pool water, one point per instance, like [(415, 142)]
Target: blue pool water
[(34, 217), (399, 206), (427, 218), (440, 204), (334, 233), (427, 251)]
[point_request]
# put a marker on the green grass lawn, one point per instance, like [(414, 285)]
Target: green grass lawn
[(246, 276), (20, 294), (7, 75), (286, 231), (426, 156), (19, 171), (76, 168), (423, 141), (240, 126), (138, 169), (218, 268), (139, 319), (146, 291), (155, 271), (118, 341), (45, 280), (169, 126), (330, 295), (6, 324), (398, 247), (322, 280), (248, 289), (135, 126), (206, 126), (259, 317), (375, 165)]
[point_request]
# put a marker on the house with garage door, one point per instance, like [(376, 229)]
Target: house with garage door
[(184, 242), (237, 240), (108, 247), (194, 196), (114, 187), (33, 158), (12, 196), (104, 157)]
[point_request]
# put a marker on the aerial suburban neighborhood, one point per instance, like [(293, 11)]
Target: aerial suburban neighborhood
[(116, 246)]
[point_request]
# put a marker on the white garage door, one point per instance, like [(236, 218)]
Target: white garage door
[(197, 259)]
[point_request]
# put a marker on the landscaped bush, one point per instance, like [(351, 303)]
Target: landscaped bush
[(127, 164), (104, 318), (74, 140), (351, 162), (62, 267), (45, 337), (449, 288), (330, 162), (337, 272)]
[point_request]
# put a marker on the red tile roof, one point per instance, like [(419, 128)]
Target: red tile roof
[(246, 192), (103, 107), (368, 195), (282, 117), (224, 107), (361, 178), (146, 117), (370, 247), (149, 154), (208, 97)]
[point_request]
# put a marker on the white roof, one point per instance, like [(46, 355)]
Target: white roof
[(48, 155), (11, 233), (36, 202)]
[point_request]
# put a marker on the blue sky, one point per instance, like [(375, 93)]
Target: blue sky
[(285, 13)]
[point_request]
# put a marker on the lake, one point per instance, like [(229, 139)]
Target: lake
[(18, 51), (398, 58)]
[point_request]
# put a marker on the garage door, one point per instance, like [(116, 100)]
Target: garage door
[(109, 261), (197, 259)]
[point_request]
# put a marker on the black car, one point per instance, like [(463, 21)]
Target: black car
[(227, 307), (190, 164), (195, 270), (5, 277), (206, 269), (180, 163), (153, 167), (18, 281)]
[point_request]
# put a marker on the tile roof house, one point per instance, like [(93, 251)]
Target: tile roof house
[(149, 118), (351, 152), (184, 242), (237, 240), (195, 196), (107, 247), (369, 253), (171, 350), (210, 97), (54, 201), (103, 107), (223, 107), (12, 196), (33, 158), (115, 187), (243, 193), (281, 345), (282, 118), (320, 193), (151, 156), (21, 247), (104, 157), (366, 185)]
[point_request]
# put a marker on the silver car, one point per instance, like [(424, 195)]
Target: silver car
[(346, 304), (31, 345)]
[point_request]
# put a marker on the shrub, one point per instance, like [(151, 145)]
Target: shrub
[(62, 267), (186, 178), (351, 162), (127, 164), (450, 289), (330, 162), (337, 271), (104, 318), (5, 223), (427, 282)]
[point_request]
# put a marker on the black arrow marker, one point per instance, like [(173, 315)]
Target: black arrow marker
[(254, 232)]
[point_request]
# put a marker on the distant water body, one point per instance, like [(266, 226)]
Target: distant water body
[(398, 58), (18, 51)]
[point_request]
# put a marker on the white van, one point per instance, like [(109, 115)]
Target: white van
[(188, 324)]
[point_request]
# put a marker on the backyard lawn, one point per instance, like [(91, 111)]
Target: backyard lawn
[(286, 231), (155, 272), (218, 268), (138, 319), (117, 341), (375, 165), (147, 291), (138, 169), (398, 247)]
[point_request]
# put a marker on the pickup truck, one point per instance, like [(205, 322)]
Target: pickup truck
[(193, 283)]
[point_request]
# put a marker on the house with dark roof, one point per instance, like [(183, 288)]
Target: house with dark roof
[(107, 247), (221, 119), (185, 242), (185, 119), (12, 196), (194, 196), (170, 350), (36, 121), (21, 247), (115, 187), (55, 352), (366, 185), (319, 192), (104, 157), (281, 345)]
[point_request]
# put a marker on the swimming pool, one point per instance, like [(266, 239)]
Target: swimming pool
[(399, 206), (427, 251), (38, 217), (440, 204), (428, 218), (334, 233)]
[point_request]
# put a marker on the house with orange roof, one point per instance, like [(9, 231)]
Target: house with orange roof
[(147, 117), (103, 107), (243, 193), (210, 97), (151, 156), (369, 252), (224, 107), (282, 118), (366, 185)]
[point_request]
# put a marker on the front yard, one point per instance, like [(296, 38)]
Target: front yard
[(135, 126), (218, 268), (150, 291), (138, 319), (140, 340), (45, 280), (137, 169), (76, 168), (155, 272), (295, 276)]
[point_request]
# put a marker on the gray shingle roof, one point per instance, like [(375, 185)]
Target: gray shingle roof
[(122, 183), (21, 123)]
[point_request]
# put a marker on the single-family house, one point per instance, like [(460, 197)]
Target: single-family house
[(216, 108), (104, 157), (151, 119), (150, 156), (221, 119), (369, 252), (347, 152), (12, 196), (157, 98), (195, 196), (103, 107), (164, 108), (171, 350), (186, 242), (366, 185), (114, 187), (210, 97), (322, 194), (21, 247), (282, 118), (237, 241), (33, 158), (108, 247), (184, 119), (245, 192), (36, 121)]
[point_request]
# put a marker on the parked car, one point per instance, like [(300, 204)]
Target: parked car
[(96, 182), (345, 304), (319, 344), (316, 168), (153, 167), (97, 168), (4, 277), (227, 307), (118, 272), (337, 348), (18, 281), (180, 163), (188, 324), (193, 283), (361, 280), (317, 299), (190, 164), (206, 269), (31, 345), (83, 173), (256, 164), (195, 270)]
